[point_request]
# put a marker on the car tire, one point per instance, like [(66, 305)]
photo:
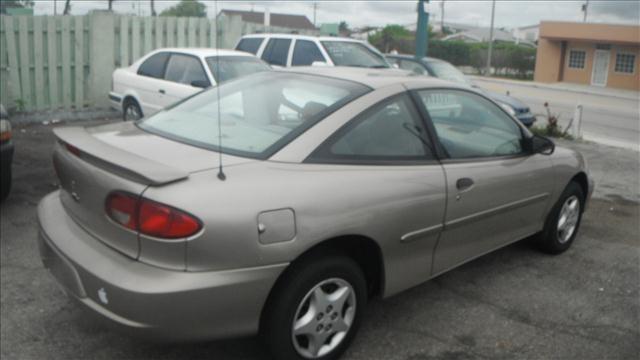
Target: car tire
[(320, 281), (131, 111), (563, 222), (5, 183)]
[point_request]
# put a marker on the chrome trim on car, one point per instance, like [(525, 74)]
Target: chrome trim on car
[(414, 235), (496, 210)]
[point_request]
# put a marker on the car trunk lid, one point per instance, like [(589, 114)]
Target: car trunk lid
[(93, 162)]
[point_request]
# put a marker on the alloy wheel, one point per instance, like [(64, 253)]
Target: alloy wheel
[(323, 318), (568, 219)]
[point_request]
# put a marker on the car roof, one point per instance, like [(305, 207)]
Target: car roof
[(303, 37), (373, 78), (204, 52)]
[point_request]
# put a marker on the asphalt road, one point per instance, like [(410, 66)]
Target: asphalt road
[(513, 303), (607, 119)]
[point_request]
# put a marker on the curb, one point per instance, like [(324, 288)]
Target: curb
[(552, 87)]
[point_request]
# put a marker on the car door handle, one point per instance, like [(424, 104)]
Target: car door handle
[(464, 183), (161, 91)]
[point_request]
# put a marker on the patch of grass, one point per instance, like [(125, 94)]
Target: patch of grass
[(550, 131)]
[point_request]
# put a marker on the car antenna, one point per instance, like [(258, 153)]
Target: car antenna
[(221, 174)]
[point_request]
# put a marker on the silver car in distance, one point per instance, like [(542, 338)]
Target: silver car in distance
[(329, 186)]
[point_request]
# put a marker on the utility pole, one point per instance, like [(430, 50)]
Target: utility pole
[(442, 17), (315, 8), (585, 7), (422, 28), (493, 13), (55, 7)]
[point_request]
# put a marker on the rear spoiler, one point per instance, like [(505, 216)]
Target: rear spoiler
[(118, 161)]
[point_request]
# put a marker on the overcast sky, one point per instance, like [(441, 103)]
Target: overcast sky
[(509, 13)]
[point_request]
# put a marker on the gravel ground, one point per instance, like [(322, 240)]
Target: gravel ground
[(513, 303)]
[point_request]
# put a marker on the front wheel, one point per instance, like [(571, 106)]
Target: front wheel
[(315, 309), (563, 222)]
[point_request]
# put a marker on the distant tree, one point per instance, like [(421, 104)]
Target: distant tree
[(343, 28), (67, 7), (393, 37), (4, 4), (191, 8)]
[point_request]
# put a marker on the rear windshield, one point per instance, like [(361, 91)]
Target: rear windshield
[(250, 45), (350, 53), (226, 68), (259, 113), (446, 71)]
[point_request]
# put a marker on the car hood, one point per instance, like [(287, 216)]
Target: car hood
[(506, 99)]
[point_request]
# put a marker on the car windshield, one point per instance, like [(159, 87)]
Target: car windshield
[(350, 53), (446, 71), (259, 113), (231, 67)]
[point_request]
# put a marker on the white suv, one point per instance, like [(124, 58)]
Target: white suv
[(299, 50)]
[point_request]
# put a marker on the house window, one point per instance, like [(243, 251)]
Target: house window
[(625, 63), (577, 59)]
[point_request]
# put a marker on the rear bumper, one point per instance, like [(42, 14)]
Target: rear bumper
[(146, 300)]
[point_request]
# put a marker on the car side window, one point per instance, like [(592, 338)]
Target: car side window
[(276, 51), (250, 45), (154, 66), (390, 131), (305, 52), (412, 66), (470, 126), (185, 69)]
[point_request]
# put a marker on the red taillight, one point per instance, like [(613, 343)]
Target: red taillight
[(151, 218), (72, 149)]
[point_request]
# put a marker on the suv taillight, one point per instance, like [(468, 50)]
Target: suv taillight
[(150, 217)]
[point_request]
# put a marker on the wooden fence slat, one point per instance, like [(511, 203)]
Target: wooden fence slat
[(202, 32), (124, 41), (79, 61), (25, 62), (66, 62), (192, 32), (135, 38), (181, 27), (52, 65), (147, 35), (171, 30), (14, 76), (159, 24), (38, 57), (213, 33)]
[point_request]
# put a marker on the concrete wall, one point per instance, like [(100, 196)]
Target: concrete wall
[(548, 61)]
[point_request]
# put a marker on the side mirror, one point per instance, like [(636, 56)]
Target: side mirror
[(201, 83), (540, 145), (319, 63), (395, 66)]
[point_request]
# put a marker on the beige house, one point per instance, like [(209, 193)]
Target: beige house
[(587, 53)]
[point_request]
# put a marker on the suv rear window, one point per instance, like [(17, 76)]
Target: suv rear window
[(154, 65), (277, 51), (250, 45), (351, 53)]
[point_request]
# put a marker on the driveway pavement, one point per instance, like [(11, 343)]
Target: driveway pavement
[(610, 116), (513, 303)]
